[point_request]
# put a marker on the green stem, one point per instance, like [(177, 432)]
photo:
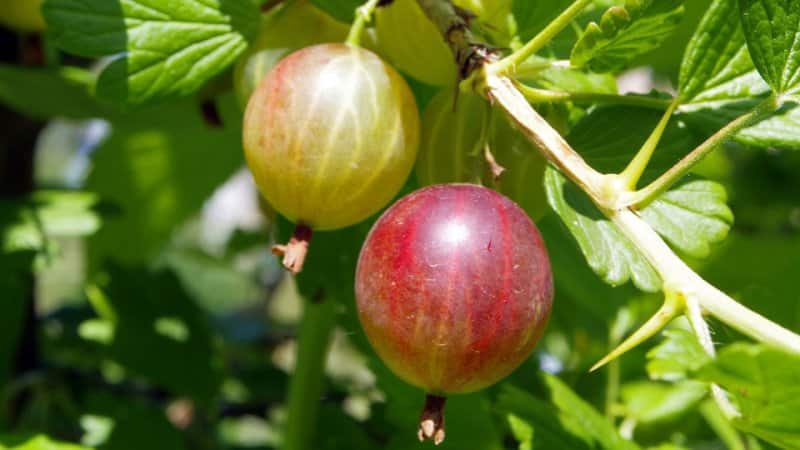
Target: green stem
[(305, 387), (535, 95), (503, 66), (638, 164), (363, 16), (665, 181)]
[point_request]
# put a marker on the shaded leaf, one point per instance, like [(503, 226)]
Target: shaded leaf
[(625, 33), (159, 48), (48, 93)]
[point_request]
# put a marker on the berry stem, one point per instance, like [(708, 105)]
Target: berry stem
[(307, 381), (431, 421), (536, 95), (294, 253), (363, 16)]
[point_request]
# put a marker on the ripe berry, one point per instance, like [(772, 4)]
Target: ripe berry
[(454, 289), (330, 135)]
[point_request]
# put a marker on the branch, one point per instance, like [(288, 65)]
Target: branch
[(606, 190)]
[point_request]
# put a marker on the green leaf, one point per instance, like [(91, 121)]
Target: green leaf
[(567, 421), (719, 83), (625, 33), (676, 356), (772, 30), (652, 403), (39, 442), (532, 17), (159, 48), (765, 385), (48, 93), (610, 254), (158, 166), (691, 216)]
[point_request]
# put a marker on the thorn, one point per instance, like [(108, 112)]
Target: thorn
[(672, 307)]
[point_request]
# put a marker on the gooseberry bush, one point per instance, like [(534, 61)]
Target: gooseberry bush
[(501, 224)]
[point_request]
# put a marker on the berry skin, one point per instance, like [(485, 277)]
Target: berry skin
[(454, 289), (283, 30), (331, 135)]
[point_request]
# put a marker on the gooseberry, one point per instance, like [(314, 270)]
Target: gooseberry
[(22, 15), (413, 44), (284, 29), (453, 288), (330, 135), (456, 134)]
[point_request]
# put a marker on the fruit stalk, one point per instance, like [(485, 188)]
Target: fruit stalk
[(308, 378)]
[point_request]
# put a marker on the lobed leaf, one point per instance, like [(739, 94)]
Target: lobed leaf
[(718, 83), (772, 30), (678, 355), (158, 48), (625, 33), (765, 385)]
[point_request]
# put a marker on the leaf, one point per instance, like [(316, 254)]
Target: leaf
[(772, 30), (691, 216), (532, 17), (610, 254), (676, 356), (765, 385), (719, 83), (567, 421), (158, 166), (625, 33), (48, 93), (159, 48), (39, 442), (653, 403)]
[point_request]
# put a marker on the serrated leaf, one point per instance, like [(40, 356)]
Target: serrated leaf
[(676, 356), (609, 253), (566, 421), (772, 30), (718, 83), (625, 33), (691, 216), (159, 48), (765, 385)]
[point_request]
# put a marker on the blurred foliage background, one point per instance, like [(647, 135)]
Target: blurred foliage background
[(140, 306)]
